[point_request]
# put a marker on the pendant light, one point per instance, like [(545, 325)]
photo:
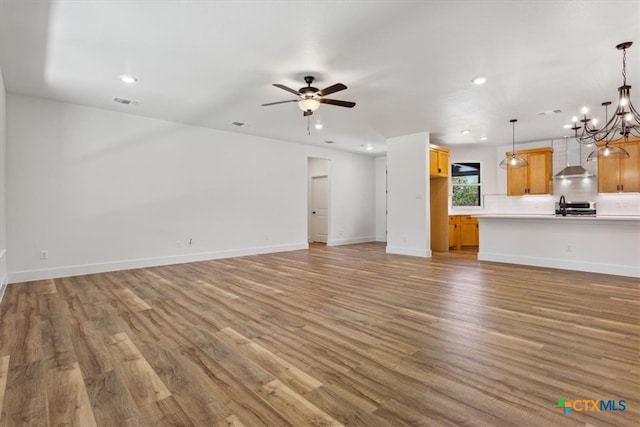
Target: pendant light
[(513, 161), (608, 152)]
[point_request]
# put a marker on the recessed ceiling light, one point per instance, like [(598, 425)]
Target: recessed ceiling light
[(318, 126), (466, 131), (239, 124), (128, 79), (567, 126), (480, 80), (369, 148), (483, 138)]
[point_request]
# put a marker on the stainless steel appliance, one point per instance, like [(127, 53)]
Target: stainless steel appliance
[(575, 208)]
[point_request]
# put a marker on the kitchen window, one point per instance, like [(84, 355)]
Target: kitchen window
[(466, 188)]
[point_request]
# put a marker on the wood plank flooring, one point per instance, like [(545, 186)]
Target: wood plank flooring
[(332, 336)]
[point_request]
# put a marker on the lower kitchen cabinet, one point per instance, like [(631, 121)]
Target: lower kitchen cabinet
[(454, 228), (469, 231), (463, 231)]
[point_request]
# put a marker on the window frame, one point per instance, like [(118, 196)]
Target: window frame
[(480, 204)]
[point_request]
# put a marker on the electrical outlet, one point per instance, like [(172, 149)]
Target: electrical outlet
[(178, 244), (44, 254), (569, 248)]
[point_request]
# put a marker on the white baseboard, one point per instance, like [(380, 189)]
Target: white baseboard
[(592, 267), (103, 267), (410, 252), (350, 241)]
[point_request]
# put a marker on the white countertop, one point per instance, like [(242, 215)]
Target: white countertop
[(560, 218)]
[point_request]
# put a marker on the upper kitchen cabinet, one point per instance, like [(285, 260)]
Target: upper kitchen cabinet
[(438, 161), (535, 178), (620, 175)]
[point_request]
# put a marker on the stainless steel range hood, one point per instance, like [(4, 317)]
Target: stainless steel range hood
[(573, 172), (574, 167)]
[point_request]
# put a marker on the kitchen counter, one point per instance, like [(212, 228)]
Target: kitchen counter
[(608, 244)]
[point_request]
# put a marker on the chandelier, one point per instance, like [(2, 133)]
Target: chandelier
[(624, 122)]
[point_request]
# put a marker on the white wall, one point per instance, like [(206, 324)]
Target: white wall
[(352, 217), (408, 231), (101, 190), (3, 201), (381, 198)]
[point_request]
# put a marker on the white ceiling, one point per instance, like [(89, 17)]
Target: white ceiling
[(408, 64)]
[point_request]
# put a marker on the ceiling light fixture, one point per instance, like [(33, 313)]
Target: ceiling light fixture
[(318, 126), (624, 122), (128, 79), (512, 161), (466, 131), (483, 138), (309, 104), (480, 80), (369, 147)]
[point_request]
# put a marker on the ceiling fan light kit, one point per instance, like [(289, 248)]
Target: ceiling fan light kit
[(309, 105), (310, 98)]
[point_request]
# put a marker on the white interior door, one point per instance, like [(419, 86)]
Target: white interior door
[(320, 208)]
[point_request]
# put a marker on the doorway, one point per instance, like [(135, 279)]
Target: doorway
[(318, 200)]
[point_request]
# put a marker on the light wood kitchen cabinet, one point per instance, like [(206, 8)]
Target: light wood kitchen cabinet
[(620, 175), (463, 231), (438, 161), (469, 231), (454, 225), (535, 178)]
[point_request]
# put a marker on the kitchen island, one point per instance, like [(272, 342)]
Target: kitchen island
[(601, 244)]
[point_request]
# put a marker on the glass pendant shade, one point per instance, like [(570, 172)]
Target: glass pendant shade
[(608, 152), (513, 161)]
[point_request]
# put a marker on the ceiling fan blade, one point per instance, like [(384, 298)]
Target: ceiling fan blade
[(280, 102), (347, 104), (288, 89), (332, 89), (307, 113)]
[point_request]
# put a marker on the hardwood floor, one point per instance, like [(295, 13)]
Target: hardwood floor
[(326, 337)]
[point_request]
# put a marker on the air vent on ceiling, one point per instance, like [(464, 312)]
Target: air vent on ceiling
[(239, 124), (549, 112), (329, 142), (125, 101)]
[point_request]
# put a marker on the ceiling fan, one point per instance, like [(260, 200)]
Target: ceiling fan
[(311, 97)]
